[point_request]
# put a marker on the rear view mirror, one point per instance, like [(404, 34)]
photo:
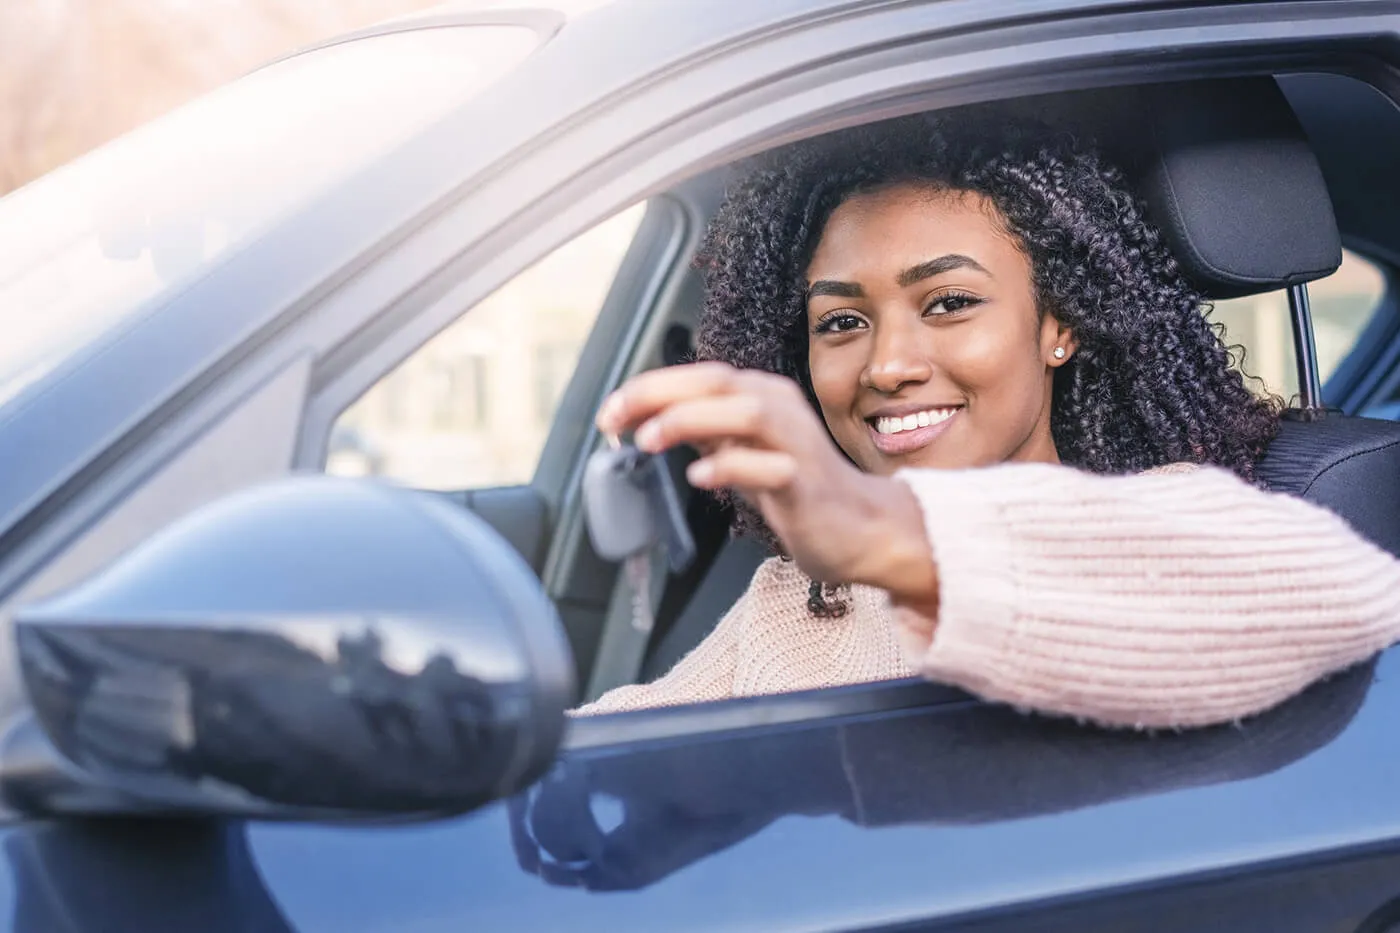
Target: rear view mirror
[(311, 647)]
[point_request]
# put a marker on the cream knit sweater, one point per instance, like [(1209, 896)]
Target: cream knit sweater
[(1176, 597)]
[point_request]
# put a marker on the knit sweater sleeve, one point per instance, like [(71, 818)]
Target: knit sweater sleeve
[(705, 674), (1176, 598)]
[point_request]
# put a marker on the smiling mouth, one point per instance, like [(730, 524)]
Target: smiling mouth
[(902, 435)]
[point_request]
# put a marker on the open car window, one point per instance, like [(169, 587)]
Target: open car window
[(1344, 305), (472, 408)]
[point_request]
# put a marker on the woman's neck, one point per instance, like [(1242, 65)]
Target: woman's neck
[(1038, 448)]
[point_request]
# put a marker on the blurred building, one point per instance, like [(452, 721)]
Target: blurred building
[(473, 406)]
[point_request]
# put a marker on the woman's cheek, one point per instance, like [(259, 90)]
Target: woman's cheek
[(836, 384), (977, 355), (994, 370)]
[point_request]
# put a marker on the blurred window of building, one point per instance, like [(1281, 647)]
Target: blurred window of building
[(472, 408), (554, 367), (1342, 305), (460, 396)]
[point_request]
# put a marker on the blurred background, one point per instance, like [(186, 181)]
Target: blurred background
[(471, 408), (76, 73)]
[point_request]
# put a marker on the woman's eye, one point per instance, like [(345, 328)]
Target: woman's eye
[(951, 304), (838, 324)]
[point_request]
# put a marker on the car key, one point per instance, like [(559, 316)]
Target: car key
[(632, 509), (631, 504)]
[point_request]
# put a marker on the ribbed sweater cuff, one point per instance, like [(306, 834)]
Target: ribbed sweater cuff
[(978, 590)]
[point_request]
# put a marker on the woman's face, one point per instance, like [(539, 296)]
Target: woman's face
[(926, 346)]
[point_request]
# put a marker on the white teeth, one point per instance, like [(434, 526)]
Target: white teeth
[(922, 419)]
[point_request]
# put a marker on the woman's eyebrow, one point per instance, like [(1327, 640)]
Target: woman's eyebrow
[(927, 270), (924, 270), (834, 289)]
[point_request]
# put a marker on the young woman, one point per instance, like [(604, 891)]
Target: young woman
[(959, 383)]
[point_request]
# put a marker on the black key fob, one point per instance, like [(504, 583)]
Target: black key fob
[(631, 503), (672, 530)]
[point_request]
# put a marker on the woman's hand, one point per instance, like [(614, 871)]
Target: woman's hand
[(758, 435)]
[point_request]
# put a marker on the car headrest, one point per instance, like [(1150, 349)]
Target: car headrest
[(1230, 178)]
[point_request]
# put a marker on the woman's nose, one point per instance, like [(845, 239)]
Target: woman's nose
[(896, 360)]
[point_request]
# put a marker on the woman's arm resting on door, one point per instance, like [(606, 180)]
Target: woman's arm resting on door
[(1168, 598)]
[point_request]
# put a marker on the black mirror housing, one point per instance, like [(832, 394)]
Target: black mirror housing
[(313, 647)]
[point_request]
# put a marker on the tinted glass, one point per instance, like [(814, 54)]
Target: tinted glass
[(85, 245)]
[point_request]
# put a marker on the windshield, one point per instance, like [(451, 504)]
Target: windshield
[(84, 246)]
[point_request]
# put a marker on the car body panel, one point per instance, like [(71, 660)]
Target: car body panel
[(954, 809)]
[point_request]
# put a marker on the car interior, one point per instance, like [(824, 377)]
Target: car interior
[(1264, 186), (1258, 183)]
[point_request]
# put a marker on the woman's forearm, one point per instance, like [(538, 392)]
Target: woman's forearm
[(1149, 600)]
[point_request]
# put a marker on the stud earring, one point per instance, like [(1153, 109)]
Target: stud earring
[(1059, 353)]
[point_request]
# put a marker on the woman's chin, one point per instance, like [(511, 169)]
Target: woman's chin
[(917, 460)]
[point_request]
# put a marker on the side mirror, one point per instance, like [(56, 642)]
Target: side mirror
[(313, 647)]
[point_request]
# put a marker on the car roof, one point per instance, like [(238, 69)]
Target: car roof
[(547, 19)]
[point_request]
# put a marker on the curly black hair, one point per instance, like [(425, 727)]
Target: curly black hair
[(1152, 381)]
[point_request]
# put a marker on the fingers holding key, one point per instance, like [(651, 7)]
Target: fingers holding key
[(704, 404), (759, 435), (753, 430), (743, 468), (705, 422), (644, 396)]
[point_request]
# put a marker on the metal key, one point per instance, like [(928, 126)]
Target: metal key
[(633, 509)]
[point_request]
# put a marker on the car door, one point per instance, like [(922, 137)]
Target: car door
[(896, 807)]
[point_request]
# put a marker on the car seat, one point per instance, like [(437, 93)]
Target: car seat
[(1230, 178)]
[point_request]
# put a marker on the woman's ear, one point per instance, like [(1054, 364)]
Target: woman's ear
[(1057, 342)]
